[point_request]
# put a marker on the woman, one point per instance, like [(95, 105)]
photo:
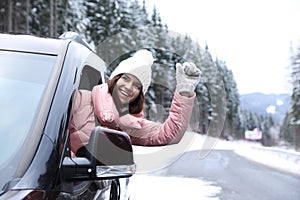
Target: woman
[(118, 104)]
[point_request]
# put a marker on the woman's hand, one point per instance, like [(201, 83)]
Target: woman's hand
[(187, 77)]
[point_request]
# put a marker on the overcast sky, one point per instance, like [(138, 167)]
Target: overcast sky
[(253, 37)]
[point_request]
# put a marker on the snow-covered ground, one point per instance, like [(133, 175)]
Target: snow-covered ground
[(147, 180)]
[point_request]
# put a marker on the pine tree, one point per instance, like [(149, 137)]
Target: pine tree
[(216, 95), (76, 20), (15, 16), (232, 99), (287, 129), (296, 87), (295, 103)]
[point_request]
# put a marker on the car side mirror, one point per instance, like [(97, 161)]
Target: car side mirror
[(111, 156)]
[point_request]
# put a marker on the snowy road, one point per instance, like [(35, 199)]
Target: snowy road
[(222, 174)]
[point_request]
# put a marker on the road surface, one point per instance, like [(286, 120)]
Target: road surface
[(238, 177)]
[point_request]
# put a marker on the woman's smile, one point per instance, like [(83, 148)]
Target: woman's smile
[(123, 93)]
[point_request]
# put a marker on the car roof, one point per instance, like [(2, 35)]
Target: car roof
[(28, 43)]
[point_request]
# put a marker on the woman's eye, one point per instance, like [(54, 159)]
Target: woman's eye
[(125, 78), (137, 86)]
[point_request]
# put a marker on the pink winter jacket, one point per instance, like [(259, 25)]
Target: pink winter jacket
[(140, 130)]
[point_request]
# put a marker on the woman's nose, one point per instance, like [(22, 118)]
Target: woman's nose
[(128, 86)]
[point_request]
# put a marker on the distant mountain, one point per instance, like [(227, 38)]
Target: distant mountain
[(265, 104)]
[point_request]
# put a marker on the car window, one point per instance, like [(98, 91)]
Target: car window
[(89, 78), (23, 79)]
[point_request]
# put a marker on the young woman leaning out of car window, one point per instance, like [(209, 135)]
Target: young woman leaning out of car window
[(118, 104)]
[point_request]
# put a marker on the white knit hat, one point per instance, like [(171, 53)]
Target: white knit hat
[(138, 65)]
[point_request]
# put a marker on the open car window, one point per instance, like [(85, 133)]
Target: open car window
[(90, 77)]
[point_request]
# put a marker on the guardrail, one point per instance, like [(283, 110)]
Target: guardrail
[(282, 153)]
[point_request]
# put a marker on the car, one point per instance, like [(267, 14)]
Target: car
[(38, 79)]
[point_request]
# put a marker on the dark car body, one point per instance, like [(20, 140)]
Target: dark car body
[(39, 77)]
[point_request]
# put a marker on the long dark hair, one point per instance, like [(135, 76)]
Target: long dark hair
[(135, 107)]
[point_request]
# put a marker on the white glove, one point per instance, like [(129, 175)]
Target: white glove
[(187, 77)]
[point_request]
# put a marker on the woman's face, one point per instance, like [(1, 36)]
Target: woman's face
[(128, 88)]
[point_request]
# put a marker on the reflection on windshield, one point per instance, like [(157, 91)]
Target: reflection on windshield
[(23, 79), (19, 101)]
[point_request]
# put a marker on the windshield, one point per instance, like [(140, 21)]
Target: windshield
[(23, 79)]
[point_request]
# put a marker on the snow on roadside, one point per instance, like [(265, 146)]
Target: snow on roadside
[(147, 187), (285, 160)]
